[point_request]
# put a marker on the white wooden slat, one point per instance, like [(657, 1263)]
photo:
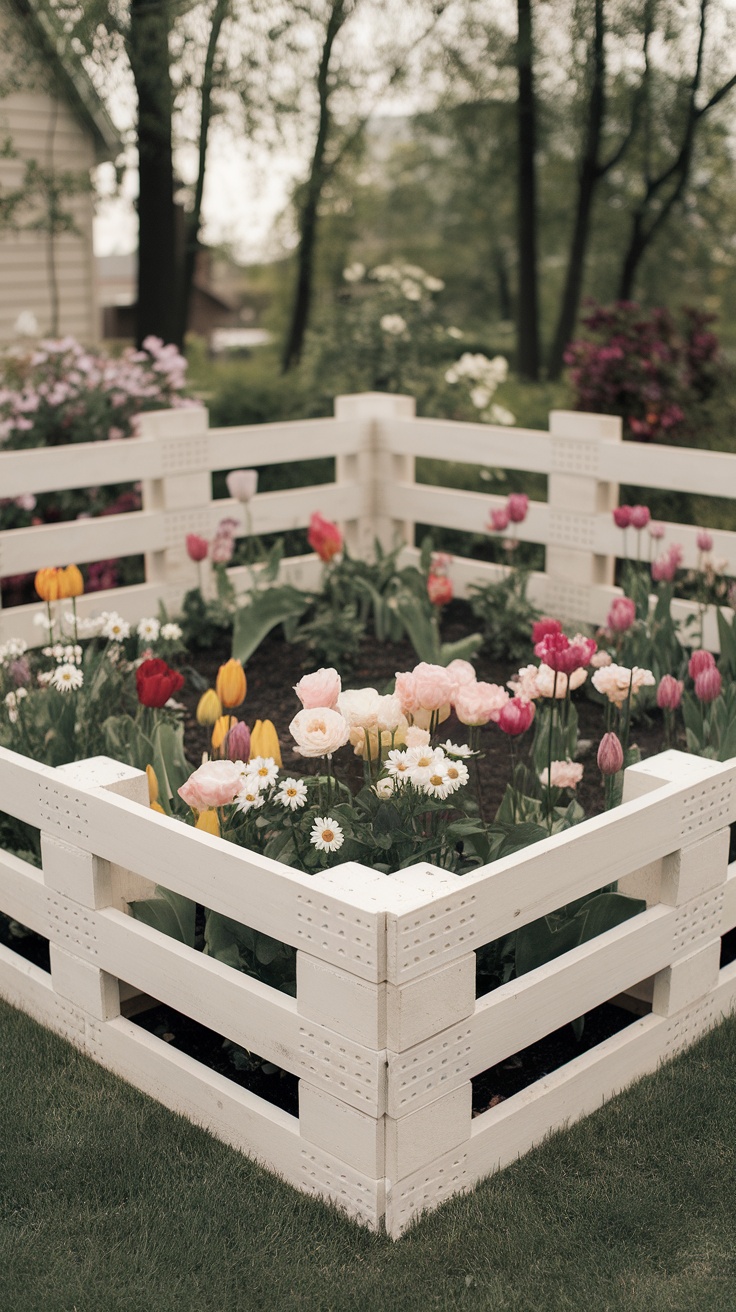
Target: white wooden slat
[(86, 464), (515, 890), (259, 1018), (672, 468), (476, 444), (290, 906), (238, 1117), (280, 443), (20, 780), (610, 540), (454, 509), (517, 1014), (27, 987), (502, 1134), (729, 901), (23, 894), (81, 540)]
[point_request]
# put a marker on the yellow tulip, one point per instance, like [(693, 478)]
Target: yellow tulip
[(221, 730), (231, 683), (152, 785), (71, 583), (264, 741), (209, 707), (47, 584), (156, 806), (208, 821)]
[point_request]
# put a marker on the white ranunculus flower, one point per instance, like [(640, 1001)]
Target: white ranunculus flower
[(393, 324), (319, 731)]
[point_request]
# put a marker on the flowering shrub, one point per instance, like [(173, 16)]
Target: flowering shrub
[(643, 366)]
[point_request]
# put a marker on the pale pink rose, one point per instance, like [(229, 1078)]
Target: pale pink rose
[(433, 686), (525, 684), (322, 688), (215, 783), (613, 681), (462, 673), (601, 658), (477, 703), (416, 737), (564, 774), (406, 692), (389, 714), (319, 731), (548, 687)]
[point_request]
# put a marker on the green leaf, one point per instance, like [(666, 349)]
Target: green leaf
[(462, 650), (169, 913), (261, 614)]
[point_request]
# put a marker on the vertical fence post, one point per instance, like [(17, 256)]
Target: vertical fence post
[(575, 496), (79, 882), (691, 878), (342, 1092), (375, 469), (430, 997), (183, 491)]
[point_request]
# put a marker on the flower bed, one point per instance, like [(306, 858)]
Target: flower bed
[(384, 1000)]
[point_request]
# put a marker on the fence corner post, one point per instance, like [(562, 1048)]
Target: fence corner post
[(375, 469), (182, 490), (576, 495)]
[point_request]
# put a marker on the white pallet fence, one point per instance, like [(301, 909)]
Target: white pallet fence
[(375, 440), (385, 1033)]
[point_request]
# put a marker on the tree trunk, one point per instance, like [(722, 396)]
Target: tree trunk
[(309, 216), (528, 299), (588, 178), (194, 217), (148, 48)]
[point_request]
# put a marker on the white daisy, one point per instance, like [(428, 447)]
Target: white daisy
[(398, 766), (292, 793), (67, 678), (422, 762), (45, 677), (436, 783), (457, 774), (457, 750), (249, 796), (326, 834), (115, 628), (386, 787), (148, 630), (171, 632), (265, 770)]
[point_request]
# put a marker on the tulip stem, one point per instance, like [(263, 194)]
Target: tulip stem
[(549, 753), (74, 612)]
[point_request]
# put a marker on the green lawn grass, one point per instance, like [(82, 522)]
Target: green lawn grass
[(110, 1202)]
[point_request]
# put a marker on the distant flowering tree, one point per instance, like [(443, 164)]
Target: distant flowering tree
[(643, 366)]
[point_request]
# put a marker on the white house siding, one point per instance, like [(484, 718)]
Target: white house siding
[(41, 126)]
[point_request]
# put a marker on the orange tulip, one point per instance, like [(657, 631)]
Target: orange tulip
[(231, 683), (264, 741), (71, 583), (47, 584), (221, 730)]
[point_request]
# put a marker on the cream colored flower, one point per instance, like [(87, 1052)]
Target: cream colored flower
[(319, 731)]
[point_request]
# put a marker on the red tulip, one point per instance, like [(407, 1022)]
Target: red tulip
[(439, 589), (155, 683), (196, 546), (324, 537)]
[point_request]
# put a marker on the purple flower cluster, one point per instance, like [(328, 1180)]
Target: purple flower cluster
[(60, 392), (640, 365)]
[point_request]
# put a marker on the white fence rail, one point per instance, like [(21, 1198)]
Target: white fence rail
[(375, 440), (385, 1033)]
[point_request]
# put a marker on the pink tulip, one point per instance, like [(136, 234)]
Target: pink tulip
[(708, 685), (622, 516), (704, 540), (640, 516), (610, 754), (700, 661), (669, 693), (242, 484), (543, 626), (197, 547), (560, 654), (324, 537), (237, 742), (516, 716), (622, 614), (666, 566), (499, 521), (656, 529), (518, 507), (439, 589)]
